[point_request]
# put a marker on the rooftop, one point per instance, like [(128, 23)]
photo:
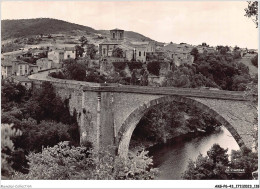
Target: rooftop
[(116, 29)]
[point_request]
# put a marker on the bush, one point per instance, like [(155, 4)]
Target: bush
[(119, 66), (68, 162), (255, 61), (154, 68), (135, 65)]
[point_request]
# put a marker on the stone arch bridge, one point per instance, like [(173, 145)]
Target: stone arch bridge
[(108, 114)]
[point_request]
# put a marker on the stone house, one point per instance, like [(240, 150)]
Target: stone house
[(179, 53), (6, 69), (141, 49), (21, 68), (45, 64), (69, 52), (57, 56)]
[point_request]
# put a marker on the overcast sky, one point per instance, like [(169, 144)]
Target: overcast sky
[(216, 23)]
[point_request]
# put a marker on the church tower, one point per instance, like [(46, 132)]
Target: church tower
[(117, 34)]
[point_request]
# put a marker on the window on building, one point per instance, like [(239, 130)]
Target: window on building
[(140, 53), (104, 51), (68, 56), (21, 69), (120, 35), (144, 53), (25, 84), (72, 51), (114, 35)]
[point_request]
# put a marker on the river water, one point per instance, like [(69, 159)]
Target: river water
[(172, 158)]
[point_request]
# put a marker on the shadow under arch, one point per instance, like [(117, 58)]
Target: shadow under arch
[(127, 128)]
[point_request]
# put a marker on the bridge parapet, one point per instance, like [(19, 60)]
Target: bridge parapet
[(187, 92)]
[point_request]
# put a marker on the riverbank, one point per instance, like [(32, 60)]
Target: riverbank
[(173, 157), (138, 144)]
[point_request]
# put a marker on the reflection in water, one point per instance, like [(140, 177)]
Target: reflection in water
[(172, 159)]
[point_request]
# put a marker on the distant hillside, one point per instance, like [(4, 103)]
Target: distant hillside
[(28, 27)]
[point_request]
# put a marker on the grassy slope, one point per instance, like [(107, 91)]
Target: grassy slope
[(247, 61), (28, 27)]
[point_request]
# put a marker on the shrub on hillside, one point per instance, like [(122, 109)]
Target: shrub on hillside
[(255, 61)]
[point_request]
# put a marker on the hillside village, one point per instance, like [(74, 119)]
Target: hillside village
[(104, 53)]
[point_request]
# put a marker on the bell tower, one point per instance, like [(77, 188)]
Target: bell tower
[(117, 34)]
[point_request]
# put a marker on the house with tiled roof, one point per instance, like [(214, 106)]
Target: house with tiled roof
[(59, 55), (179, 53), (6, 69)]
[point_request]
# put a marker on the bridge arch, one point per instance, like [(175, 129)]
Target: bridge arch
[(128, 126)]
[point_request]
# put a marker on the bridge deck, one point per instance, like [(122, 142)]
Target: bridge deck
[(188, 92)]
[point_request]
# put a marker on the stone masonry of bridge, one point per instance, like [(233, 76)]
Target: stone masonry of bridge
[(108, 114)]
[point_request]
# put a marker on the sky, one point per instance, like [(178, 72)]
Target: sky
[(193, 22)]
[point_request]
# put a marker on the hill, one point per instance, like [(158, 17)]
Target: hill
[(27, 27)]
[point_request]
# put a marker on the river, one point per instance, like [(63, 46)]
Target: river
[(172, 158)]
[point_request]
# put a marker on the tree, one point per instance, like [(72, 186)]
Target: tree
[(252, 11), (7, 146), (83, 40), (210, 167), (254, 60), (244, 159), (79, 51), (64, 161), (134, 78), (118, 52), (195, 53), (75, 71), (144, 78), (154, 68), (91, 51)]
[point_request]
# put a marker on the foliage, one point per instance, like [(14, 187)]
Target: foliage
[(118, 52), (68, 162), (79, 51), (195, 53), (83, 40), (74, 71), (144, 78), (134, 65), (254, 60), (37, 117), (216, 165), (252, 11), (94, 76), (168, 120), (7, 147), (119, 66), (211, 167), (91, 51), (154, 68), (244, 159), (12, 92)]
